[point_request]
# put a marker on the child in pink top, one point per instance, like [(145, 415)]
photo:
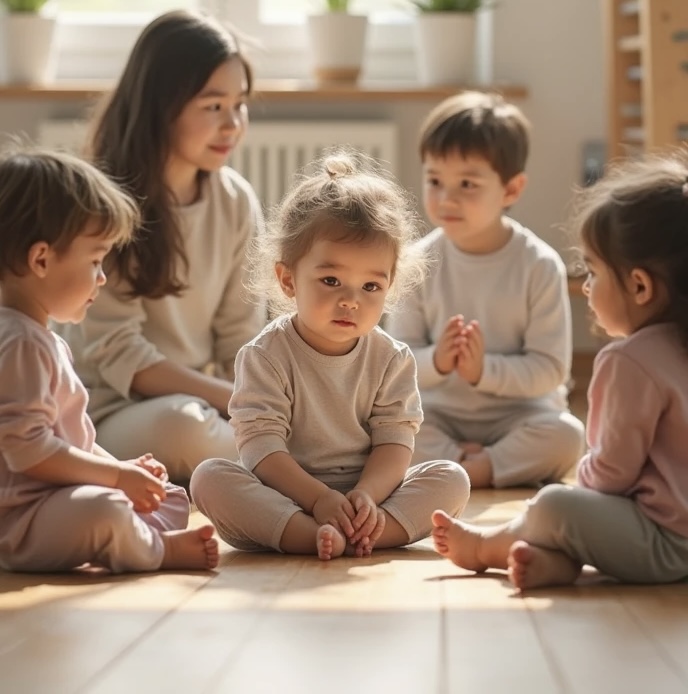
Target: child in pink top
[(629, 515), (64, 501)]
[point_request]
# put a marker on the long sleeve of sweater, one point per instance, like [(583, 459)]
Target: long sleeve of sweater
[(519, 297)]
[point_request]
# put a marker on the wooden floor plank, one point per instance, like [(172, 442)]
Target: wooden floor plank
[(661, 612), (58, 632), (294, 622), (491, 642), (590, 639), (205, 632), (405, 621), (365, 625)]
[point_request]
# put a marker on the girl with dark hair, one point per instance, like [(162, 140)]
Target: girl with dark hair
[(628, 516), (157, 351)]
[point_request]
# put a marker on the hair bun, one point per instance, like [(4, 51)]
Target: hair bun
[(339, 165)]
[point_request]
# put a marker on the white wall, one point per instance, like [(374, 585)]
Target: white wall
[(552, 47), (556, 49)]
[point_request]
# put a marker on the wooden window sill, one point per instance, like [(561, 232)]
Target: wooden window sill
[(277, 90)]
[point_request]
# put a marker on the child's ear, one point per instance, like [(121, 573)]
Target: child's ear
[(641, 286), (285, 278), (38, 258), (514, 188)]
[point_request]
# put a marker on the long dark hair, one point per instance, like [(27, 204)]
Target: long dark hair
[(170, 63)]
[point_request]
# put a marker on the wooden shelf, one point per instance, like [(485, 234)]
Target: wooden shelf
[(647, 54), (630, 43), (278, 90)]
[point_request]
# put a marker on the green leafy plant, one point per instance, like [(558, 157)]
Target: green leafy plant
[(337, 5), (23, 5), (450, 5)]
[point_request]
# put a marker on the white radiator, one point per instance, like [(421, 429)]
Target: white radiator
[(273, 150)]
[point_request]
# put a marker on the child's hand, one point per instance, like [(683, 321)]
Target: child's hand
[(144, 489), (375, 534), (447, 348), (471, 353), (155, 467), (366, 514), (334, 508)]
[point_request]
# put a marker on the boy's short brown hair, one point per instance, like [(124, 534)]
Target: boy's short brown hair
[(474, 123), (53, 197)]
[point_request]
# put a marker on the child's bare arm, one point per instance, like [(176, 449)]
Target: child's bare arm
[(71, 465), (99, 450)]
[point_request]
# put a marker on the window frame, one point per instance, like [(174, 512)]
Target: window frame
[(95, 46)]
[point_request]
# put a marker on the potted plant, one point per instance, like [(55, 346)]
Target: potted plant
[(445, 40), (29, 42), (337, 42)]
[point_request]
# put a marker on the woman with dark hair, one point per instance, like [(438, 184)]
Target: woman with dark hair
[(157, 349)]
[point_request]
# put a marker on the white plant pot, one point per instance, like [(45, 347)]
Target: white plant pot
[(337, 42), (445, 47), (30, 48)]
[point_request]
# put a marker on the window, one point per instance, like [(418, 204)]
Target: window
[(279, 25), (97, 35), (291, 11), (151, 7)]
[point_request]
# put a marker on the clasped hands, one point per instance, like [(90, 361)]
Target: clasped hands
[(461, 348), (355, 514), (143, 480)]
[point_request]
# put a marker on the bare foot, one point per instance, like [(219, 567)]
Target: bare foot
[(457, 541), (534, 567), (469, 546), (190, 549), (329, 542)]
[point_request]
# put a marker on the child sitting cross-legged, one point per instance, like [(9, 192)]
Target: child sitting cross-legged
[(629, 515), (326, 405), (490, 326), (65, 501)]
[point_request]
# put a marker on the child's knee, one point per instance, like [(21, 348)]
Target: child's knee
[(453, 488), (568, 442), (213, 484), (204, 479), (105, 512), (548, 513)]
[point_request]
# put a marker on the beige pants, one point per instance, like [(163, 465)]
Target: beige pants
[(251, 516), (179, 430), (525, 448), (608, 532), (71, 526)]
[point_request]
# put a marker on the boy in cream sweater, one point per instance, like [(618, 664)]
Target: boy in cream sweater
[(490, 327)]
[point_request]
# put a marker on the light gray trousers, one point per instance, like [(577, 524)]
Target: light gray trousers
[(71, 526), (179, 430), (525, 448), (249, 515), (608, 532)]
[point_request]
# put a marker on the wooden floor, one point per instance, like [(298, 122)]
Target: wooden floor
[(400, 621), (403, 621)]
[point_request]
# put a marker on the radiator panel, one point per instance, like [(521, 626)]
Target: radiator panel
[(273, 151)]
